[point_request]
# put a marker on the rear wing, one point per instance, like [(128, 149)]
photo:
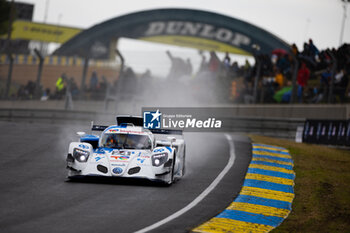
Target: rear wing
[(136, 121), (166, 131), (155, 131), (127, 119)]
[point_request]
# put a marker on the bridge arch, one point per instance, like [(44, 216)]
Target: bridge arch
[(184, 27)]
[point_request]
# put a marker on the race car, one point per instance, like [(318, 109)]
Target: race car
[(128, 150)]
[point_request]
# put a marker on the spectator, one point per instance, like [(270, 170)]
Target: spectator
[(283, 64), (146, 75), (73, 88), (204, 64), (295, 50), (178, 66), (214, 63), (21, 92), (302, 78), (313, 49), (103, 84), (325, 78), (46, 95), (341, 82), (279, 79), (324, 84), (227, 60), (94, 81), (30, 89), (189, 68), (235, 69), (60, 86)]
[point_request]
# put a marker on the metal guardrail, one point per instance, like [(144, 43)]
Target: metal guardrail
[(50, 116), (278, 127)]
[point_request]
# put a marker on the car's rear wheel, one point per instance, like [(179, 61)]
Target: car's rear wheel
[(184, 163)]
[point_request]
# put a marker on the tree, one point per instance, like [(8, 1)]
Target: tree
[(5, 9)]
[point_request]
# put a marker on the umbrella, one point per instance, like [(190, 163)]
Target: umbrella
[(279, 52)]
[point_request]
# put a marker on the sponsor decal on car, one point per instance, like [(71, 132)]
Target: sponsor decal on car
[(117, 170), (118, 164), (98, 158), (123, 152), (115, 152), (132, 132), (158, 150), (113, 131), (100, 151), (141, 160), (123, 158), (83, 146)]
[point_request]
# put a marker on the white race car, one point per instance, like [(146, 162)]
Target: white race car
[(128, 150)]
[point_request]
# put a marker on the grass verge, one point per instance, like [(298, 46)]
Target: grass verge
[(322, 187)]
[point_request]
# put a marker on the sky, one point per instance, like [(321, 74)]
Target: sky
[(294, 21)]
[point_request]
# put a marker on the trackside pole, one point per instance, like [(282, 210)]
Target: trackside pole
[(68, 100), (120, 81), (331, 85), (256, 81), (9, 76), (82, 85), (294, 80), (40, 69)]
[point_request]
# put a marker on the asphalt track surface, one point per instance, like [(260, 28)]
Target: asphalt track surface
[(36, 196)]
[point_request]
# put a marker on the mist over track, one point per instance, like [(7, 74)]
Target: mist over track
[(36, 196)]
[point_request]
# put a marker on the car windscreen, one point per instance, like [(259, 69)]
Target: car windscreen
[(126, 141)]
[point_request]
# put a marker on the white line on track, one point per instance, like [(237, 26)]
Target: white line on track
[(202, 195)]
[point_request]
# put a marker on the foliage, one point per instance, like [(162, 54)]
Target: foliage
[(5, 8)]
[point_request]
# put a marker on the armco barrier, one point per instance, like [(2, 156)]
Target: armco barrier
[(54, 116), (279, 127), (266, 111)]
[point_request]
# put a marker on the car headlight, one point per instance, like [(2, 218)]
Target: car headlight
[(80, 155), (159, 159)]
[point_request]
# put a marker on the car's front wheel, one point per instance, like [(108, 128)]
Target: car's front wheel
[(172, 179)]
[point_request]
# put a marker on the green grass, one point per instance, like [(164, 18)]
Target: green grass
[(322, 187)]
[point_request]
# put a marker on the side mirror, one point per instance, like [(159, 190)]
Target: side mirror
[(172, 140)]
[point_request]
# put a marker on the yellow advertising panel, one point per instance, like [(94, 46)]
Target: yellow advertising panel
[(195, 42), (27, 30)]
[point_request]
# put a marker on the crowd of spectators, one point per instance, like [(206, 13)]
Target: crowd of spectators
[(64, 86), (316, 71), (179, 67)]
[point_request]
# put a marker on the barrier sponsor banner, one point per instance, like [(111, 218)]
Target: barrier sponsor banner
[(329, 132), (26, 30), (197, 43)]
